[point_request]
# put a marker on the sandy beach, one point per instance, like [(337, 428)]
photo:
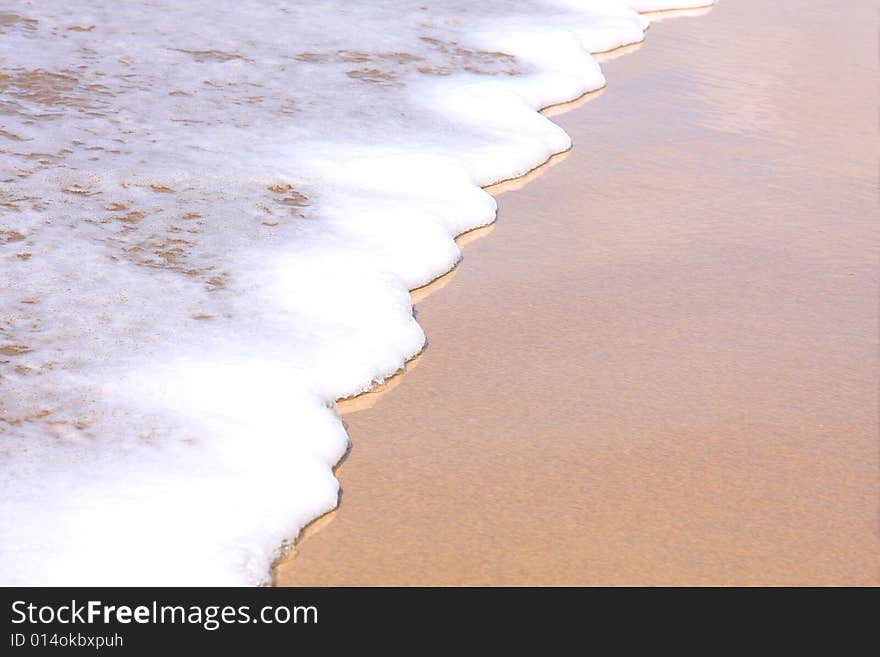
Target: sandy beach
[(660, 366)]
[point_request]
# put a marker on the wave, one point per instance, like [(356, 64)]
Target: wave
[(212, 215)]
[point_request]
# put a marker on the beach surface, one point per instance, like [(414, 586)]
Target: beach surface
[(661, 366)]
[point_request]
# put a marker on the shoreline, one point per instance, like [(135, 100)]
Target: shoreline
[(368, 397), (319, 559), (228, 296)]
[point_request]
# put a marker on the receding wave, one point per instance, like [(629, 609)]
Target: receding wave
[(211, 214)]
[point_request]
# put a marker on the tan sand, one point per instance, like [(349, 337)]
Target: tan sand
[(661, 367)]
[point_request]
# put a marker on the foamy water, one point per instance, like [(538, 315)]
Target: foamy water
[(210, 218)]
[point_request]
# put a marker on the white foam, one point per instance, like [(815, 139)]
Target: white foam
[(212, 215)]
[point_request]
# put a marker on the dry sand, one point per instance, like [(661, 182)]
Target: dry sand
[(661, 367)]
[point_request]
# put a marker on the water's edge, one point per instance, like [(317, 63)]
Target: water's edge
[(199, 282), (287, 550)]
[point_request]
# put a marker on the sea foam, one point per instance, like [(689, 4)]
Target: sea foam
[(211, 214)]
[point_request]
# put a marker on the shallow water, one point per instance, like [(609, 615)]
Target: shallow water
[(212, 214), (661, 367)]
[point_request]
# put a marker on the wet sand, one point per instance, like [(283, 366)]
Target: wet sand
[(661, 367)]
